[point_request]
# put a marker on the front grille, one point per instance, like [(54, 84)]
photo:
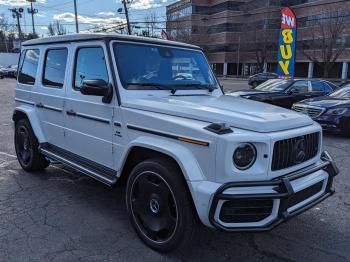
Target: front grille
[(245, 210), (312, 112), (293, 151), (304, 194)]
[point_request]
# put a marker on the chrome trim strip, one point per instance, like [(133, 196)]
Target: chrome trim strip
[(24, 101)]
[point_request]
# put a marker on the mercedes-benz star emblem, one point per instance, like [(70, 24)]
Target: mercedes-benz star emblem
[(299, 151), (154, 206)]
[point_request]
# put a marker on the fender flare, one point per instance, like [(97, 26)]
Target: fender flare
[(183, 156), (29, 111), (188, 164)]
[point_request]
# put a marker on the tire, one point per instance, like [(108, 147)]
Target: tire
[(346, 131), (27, 148), (254, 84), (160, 212)]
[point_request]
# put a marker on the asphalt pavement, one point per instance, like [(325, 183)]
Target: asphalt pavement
[(61, 215)]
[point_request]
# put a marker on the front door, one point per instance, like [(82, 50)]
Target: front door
[(296, 92), (89, 121)]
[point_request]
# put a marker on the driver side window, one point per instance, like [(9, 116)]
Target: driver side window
[(90, 64), (300, 86)]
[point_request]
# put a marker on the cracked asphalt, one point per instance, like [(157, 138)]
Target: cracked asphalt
[(61, 215)]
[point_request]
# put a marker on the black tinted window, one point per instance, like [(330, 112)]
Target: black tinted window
[(29, 66), (301, 86), (318, 86), (55, 67), (90, 64)]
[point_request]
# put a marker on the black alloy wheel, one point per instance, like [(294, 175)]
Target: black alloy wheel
[(24, 147), (153, 206), (159, 205), (27, 147)]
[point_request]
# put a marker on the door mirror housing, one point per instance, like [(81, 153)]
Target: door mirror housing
[(97, 87), (293, 91)]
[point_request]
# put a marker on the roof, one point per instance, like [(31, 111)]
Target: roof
[(91, 37)]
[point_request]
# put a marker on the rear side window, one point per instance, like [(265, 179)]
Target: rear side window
[(55, 67), (29, 66), (90, 64), (318, 86)]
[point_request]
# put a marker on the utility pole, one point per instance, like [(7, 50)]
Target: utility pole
[(238, 53), (127, 16), (32, 12), (17, 13), (76, 17)]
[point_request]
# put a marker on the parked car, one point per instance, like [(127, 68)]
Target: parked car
[(285, 93), (332, 111), (2, 72), (11, 71), (260, 78), (114, 108)]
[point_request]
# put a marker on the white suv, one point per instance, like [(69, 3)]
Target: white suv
[(152, 113)]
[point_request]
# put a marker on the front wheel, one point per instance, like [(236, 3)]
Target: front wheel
[(159, 206), (27, 147), (346, 131)]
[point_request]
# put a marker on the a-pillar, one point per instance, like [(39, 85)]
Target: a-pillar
[(344, 71), (310, 72), (225, 69)]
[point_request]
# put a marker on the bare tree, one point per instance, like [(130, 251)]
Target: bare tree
[(150, 21), (56, 28), (5, 28), (327, 42)]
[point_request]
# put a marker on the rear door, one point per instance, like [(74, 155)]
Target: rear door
[(27, 77), (50, 93), (89, 121)]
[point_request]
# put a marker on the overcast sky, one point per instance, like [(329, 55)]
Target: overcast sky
[(92, 13)]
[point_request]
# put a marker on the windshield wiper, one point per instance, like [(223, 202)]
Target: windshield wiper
[(199, 86), (155, 85)]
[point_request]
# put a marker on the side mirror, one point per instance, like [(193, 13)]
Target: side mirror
[(293, 91), (97, 87)]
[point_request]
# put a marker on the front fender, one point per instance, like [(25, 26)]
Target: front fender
[(196, 180), (183, 156), (29, 111)]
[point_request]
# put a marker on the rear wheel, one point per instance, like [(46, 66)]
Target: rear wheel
[(159, 210), (347, 129), (255, 84), (27, 147)]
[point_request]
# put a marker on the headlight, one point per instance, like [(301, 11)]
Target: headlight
[(337, 111), (244, 156)]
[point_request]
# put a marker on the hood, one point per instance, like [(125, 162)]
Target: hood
[(249, 92), (236, 112), (325, 102)]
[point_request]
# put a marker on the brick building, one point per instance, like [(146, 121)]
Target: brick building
[(241, 36)]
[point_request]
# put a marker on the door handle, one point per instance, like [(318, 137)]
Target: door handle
[(39, 105), (71, 112)]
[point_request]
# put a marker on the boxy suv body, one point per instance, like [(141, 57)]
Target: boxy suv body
[(152, 113)]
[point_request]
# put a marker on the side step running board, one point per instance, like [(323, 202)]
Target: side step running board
[(108, 180)]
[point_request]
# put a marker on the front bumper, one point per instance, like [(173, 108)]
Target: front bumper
[(279, 191), (334, 124)]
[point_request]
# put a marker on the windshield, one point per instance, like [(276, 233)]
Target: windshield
[(274, 85), (160, 67), (343, 93)]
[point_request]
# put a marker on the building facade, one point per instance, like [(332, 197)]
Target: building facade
[(240, 37)]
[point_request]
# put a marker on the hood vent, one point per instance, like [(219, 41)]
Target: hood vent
[(219, 128)]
